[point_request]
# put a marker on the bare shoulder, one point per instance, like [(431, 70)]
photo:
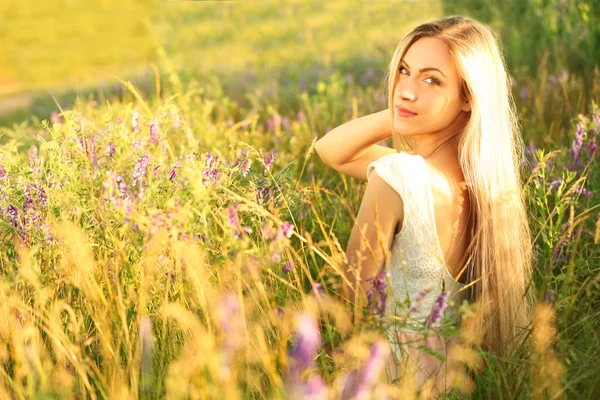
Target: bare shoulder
[(387, 199), (446, 180)]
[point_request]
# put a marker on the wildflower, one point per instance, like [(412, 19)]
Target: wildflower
[(359, 383), (13, 216), (300, 117), (308, 341), (109, 150), (286, 229), (33, 157), (289, 265), (139, 173), (155, 171), (593, 147), (419, 297), (273, 122), (210, 173), (173, 172), (314, 388), (549, 296), (154, 131), (261, 194), (575, 149), (229, 319), (2, 172), (232, 216), (269, 159), (246, 167), (378, 286), (583, 191), (555, 184), (438, 309), (135, 123)]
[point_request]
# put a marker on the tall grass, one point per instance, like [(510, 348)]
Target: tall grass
[(162, 247)]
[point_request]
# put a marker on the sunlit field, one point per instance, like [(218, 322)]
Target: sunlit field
[(181, 239)]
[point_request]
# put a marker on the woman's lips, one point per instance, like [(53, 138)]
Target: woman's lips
[(404, 112)]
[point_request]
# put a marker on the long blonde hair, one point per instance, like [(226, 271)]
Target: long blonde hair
[(490, 150)]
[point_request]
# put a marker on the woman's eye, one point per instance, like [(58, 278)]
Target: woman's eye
[(402, 68), (433, 81)]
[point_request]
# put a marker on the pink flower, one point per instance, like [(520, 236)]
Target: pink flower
[(154, 131)]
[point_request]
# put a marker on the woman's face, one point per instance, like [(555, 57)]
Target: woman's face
[(433, 94)]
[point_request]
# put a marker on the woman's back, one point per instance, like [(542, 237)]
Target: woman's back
[(451, 209)]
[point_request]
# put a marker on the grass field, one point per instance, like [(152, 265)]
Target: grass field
[(179, 238)]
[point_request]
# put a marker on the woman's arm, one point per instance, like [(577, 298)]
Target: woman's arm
[(354, 139)]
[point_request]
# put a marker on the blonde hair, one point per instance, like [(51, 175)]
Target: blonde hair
[(490, 150)]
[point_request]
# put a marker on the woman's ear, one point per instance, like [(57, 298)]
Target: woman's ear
[(466, 106)]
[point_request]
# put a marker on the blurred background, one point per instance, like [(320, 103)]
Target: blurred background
[(275, 50)]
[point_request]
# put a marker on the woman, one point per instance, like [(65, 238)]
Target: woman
[(446, 203)]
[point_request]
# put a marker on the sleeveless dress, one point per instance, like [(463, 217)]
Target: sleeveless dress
[(418, 272)]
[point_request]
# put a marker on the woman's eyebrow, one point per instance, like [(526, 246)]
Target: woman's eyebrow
[(424, 69)]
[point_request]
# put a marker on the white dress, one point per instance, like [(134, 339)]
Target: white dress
[(417, 262)]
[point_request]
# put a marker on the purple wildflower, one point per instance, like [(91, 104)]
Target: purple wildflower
[(2, 172), (135, 120), (173, 171), (308, 341), (575, 149), (359, 384), (246, 167), (261, 194), (269, 159), (419, 298), (583, 191), (232, 217), (300, 116), (438, 308), (155, 171), (549, 296), (289, 265), (314, 389), (593, 147), (154, 131), (378, 286), (555, 184), (229, 318), (109, 150), (139, 173), (13, 216), (286, 229), (33, 157), (273, 122), (211, 173)]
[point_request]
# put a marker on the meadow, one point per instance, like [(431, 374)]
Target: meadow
[(183, 240)]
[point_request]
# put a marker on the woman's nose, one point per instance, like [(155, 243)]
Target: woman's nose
[(406, 91)]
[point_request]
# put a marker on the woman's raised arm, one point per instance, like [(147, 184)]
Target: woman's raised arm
[(352, 139)]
